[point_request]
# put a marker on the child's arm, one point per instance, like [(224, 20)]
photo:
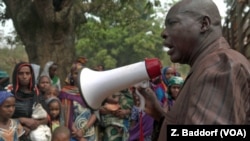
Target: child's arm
[(20, 129), (91, 121)]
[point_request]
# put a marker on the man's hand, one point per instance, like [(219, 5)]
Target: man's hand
[(152, 105)]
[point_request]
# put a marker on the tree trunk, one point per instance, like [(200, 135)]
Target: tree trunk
[(236, 28), (46, 33)]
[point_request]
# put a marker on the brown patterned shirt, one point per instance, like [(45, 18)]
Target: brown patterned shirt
[(216, 91)]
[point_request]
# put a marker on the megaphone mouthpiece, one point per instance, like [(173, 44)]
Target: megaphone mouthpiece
[(153, 67)]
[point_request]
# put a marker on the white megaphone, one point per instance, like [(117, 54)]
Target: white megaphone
[(96, 86)]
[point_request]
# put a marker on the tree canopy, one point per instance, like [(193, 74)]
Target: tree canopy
[(112, 33), (124, 35)]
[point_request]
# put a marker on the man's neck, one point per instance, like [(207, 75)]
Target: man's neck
[(204, 44)]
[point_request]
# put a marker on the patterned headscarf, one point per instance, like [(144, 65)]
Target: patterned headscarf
[(15, 81), (164, 71), (4, 95), (175, 80), (80, 62), (76, 66)]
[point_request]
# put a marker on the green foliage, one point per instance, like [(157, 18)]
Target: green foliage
[(122, 35), (118, 32)]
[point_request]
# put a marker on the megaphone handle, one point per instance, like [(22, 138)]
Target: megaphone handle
[(142, 100)]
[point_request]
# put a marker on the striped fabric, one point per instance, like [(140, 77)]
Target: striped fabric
[(216, 91)]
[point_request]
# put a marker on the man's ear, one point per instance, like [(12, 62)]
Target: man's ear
[(205, 24)]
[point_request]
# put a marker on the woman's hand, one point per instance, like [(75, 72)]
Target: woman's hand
[(77, 133), (29, 123), (27, 130), (122, 113), (104, 111)]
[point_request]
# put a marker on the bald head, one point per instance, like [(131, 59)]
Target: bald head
[(190, 27), (199, 8)]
